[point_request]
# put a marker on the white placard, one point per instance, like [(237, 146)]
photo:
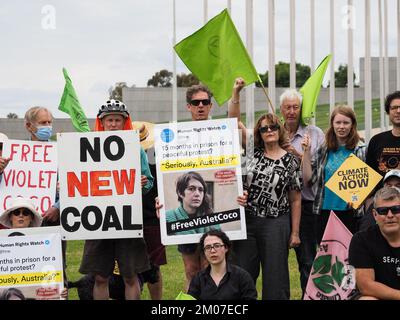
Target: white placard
[(199, 179), (100, 191), (31, 173), (31, 262)]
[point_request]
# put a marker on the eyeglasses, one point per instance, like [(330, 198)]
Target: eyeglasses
[(272, 127), (294, 107), (193, 189), (392, 108), (204, 102), (18, 212), (383, 211), (214, 246)]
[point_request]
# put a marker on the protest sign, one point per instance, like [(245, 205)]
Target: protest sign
[(31, 173), (199, 179), (353, 181), (31, 262), (331, 276), (100, 191)]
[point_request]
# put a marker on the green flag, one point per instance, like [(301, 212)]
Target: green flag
[(70, 104), (310, 91), (216, 55), (184, 296)]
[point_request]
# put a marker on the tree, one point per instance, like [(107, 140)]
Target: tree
[(186, 80), (282, 75), (12, 115), (116, 91), (341, 76), (161, 78)]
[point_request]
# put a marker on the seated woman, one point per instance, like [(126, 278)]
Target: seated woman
[(221, 280), (21, 214)]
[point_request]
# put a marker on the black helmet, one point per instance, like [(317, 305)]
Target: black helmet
[(113, 107)]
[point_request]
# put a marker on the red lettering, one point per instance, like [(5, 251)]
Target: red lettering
[(30, 185), (122, 181), (81, 185), (35, 153), (46, 153), (13, 151), (6, 176), (95, 183), (21, 182), (25, 150)]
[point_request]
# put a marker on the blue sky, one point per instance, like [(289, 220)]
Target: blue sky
[(102, 42)]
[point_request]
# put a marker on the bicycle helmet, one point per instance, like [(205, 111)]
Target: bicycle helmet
[(113, 107)]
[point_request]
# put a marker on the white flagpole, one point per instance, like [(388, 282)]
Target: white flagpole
[(292, 45), (367, 68), (350, 64), (332, 47), (271, 50), (381, 77), (174, 84)]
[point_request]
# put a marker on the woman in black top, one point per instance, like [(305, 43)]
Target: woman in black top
[(220, 280)]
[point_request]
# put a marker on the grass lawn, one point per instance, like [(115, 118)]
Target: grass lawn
[(173, 274)]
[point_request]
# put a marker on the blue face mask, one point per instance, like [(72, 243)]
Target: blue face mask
[(44, 133)]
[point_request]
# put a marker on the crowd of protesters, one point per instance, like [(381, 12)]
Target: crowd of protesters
[(286, 206)]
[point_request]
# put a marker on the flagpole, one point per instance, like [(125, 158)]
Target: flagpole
[(174, 84), (266, 94)]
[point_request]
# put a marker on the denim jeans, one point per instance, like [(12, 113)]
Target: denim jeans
[(307, 250)]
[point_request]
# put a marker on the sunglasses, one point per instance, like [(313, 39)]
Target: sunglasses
[(271, 127), (24, 212), (383, 211), (204, 102)]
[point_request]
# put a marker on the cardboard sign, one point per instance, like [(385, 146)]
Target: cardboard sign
[(31, 173), (31, 262), (100, 191), (353, 181), (199, 179)]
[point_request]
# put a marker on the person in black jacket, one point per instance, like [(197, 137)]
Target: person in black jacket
[(221, 280)]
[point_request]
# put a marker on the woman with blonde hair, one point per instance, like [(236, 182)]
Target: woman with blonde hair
[(341, 140)]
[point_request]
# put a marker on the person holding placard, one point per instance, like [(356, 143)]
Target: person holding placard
[(99, 256), (22, 214), (341, 140), (273, 209)]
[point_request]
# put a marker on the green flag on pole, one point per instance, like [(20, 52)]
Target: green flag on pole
[(310, 91), (70, 104), (216, 55)]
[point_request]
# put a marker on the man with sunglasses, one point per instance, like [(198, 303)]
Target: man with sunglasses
[(198, 99), (375, 252)]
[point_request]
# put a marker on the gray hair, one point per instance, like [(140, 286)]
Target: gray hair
[(32, 113), (290, 94), (387, 194)]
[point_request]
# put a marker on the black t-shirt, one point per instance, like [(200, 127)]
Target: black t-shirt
[(370, 250), (383, 152), (236, 284)]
